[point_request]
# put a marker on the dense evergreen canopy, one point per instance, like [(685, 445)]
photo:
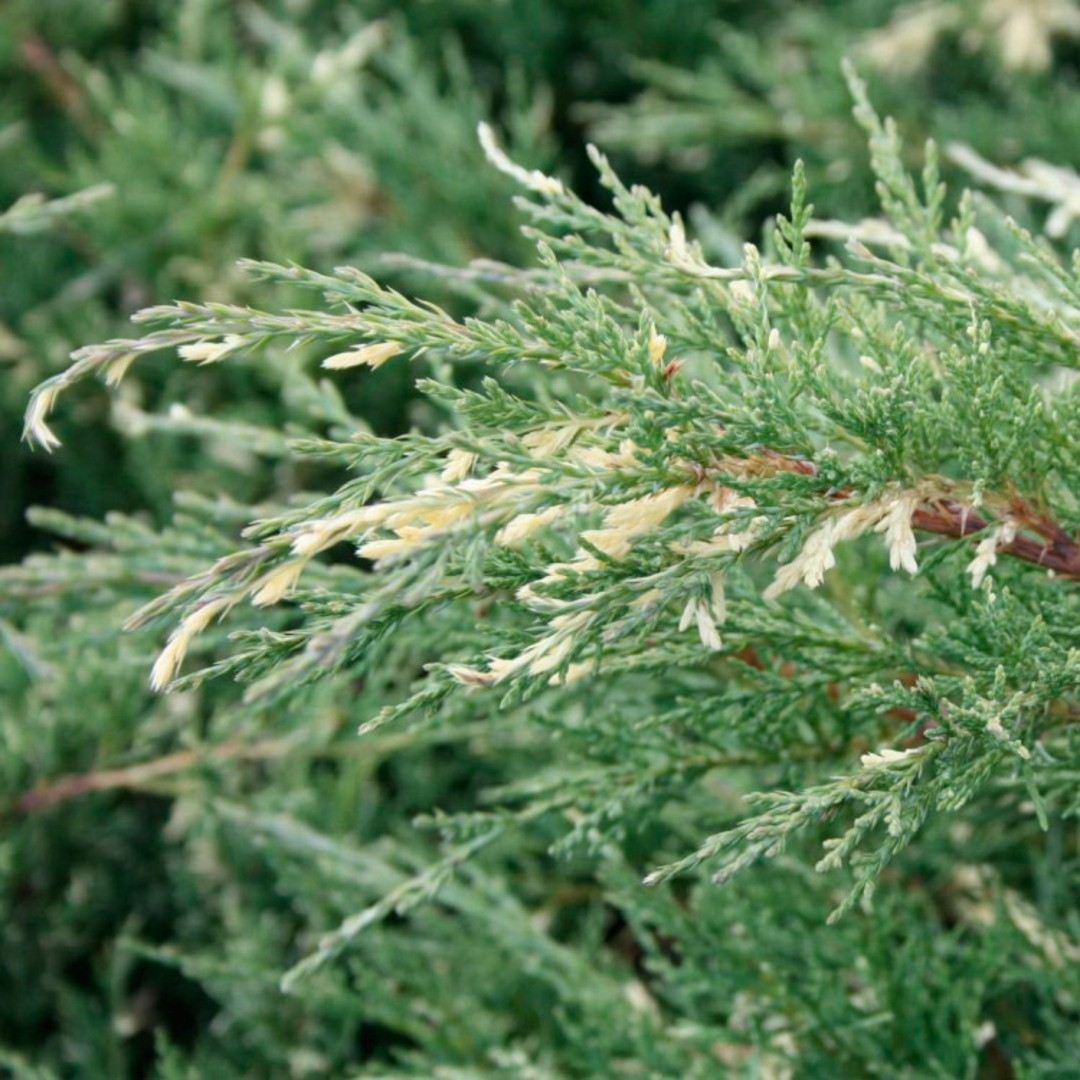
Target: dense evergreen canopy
[(534, 631)]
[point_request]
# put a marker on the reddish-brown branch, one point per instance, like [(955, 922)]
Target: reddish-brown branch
[(1057, 551), (40, 58), (71, 787), (145, 774)]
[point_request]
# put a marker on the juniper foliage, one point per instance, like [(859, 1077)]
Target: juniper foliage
[(759, 573), (998, 76), (161, 142), (307, 129)]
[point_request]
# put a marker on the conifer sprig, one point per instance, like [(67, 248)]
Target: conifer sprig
[(664, 450)]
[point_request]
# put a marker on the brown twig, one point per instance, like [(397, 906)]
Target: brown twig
[(142, 775), (70, 787), (37, 54), (1057, 551)]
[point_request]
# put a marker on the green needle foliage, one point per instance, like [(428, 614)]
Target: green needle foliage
[(173, 139), (310, 131), (712, 635), (999, 75)]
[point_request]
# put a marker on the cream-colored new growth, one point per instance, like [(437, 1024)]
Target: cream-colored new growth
[(890, 514), (532, 179), (172, 656), (372, 356), (210, 352), (987, 549)]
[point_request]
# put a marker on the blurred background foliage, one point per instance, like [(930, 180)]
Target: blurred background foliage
[(148, 915)]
